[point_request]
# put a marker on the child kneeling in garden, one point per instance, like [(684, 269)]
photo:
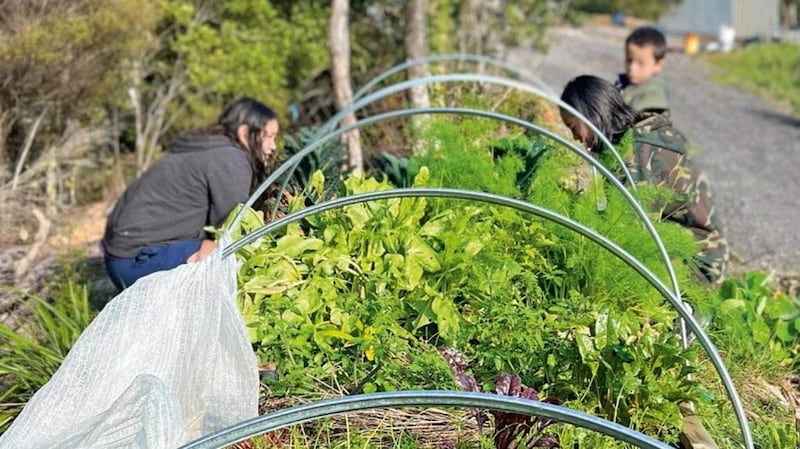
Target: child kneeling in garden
[(659, 157)]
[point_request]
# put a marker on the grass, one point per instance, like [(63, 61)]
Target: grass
[(770, 417), (31, 355), (372, 429), (771, 70)]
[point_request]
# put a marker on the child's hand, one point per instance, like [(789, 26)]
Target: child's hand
[(206, 246)]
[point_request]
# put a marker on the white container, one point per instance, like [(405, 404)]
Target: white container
[(727, 38)]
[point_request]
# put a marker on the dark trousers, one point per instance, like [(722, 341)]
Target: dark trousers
[(125, 271)]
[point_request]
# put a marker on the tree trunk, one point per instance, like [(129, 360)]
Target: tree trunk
[(416, 46), (469, 29), (416, 43), (339, 46)]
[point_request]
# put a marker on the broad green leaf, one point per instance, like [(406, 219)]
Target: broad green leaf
[(433, 228), (762, 303), (730, 304), (448, 319), (263, 285), (335, 334), (761, 332), (295, 245), (784, 309), (424, 310), (422, 178), (318, 182), (413, 271), (602, 330), (339, 316), (290, 317), (421, 253), (784, 333), (308, 302), (358, 214)]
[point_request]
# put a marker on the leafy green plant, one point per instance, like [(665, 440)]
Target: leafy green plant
[(30, 355), (457, 155), (360, 297), (756, 321), (395, 169), (327, 159)]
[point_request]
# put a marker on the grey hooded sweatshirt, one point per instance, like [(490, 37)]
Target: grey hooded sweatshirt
[(197, 183)]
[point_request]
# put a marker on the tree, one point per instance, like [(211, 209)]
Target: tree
[(339, 45), (646, 9), (61, 64), (416, 45), (213, 52)]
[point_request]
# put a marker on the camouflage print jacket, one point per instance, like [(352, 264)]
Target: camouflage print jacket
[(660, 158)]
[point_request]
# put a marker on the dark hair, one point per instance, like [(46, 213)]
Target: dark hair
[(646, 35), (253, 114), (601, 103)]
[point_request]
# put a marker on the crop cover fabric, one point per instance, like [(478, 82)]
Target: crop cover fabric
[(165, 362)]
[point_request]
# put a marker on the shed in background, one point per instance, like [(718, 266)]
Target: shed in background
[(750, 18)]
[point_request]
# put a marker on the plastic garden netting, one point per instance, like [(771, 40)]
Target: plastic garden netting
[(166, 361)]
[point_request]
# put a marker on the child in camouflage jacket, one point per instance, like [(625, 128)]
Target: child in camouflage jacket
[(659, 158)]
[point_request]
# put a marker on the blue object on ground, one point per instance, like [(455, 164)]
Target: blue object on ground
[(618, 18)]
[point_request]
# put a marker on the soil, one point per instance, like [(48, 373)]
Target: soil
[(73, 236)]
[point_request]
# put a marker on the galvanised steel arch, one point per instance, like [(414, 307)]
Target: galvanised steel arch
[(331, 407), (291, 164), (526, 76), (333, 122), (530, 83), (545, 213)]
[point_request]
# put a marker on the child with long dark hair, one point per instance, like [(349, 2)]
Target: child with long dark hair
[(659, 157), (158, 222)]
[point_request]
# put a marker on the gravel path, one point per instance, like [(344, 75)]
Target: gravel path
[(749, 148)]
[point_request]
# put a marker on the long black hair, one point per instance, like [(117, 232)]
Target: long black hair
[(601, 103), (255, 115)]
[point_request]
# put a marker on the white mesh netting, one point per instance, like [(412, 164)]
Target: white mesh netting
[(166, 361)]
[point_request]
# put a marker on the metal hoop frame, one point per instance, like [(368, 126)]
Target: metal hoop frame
[(523, 206), (331, 407)]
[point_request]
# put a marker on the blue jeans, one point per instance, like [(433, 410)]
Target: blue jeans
[(125, 271)]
